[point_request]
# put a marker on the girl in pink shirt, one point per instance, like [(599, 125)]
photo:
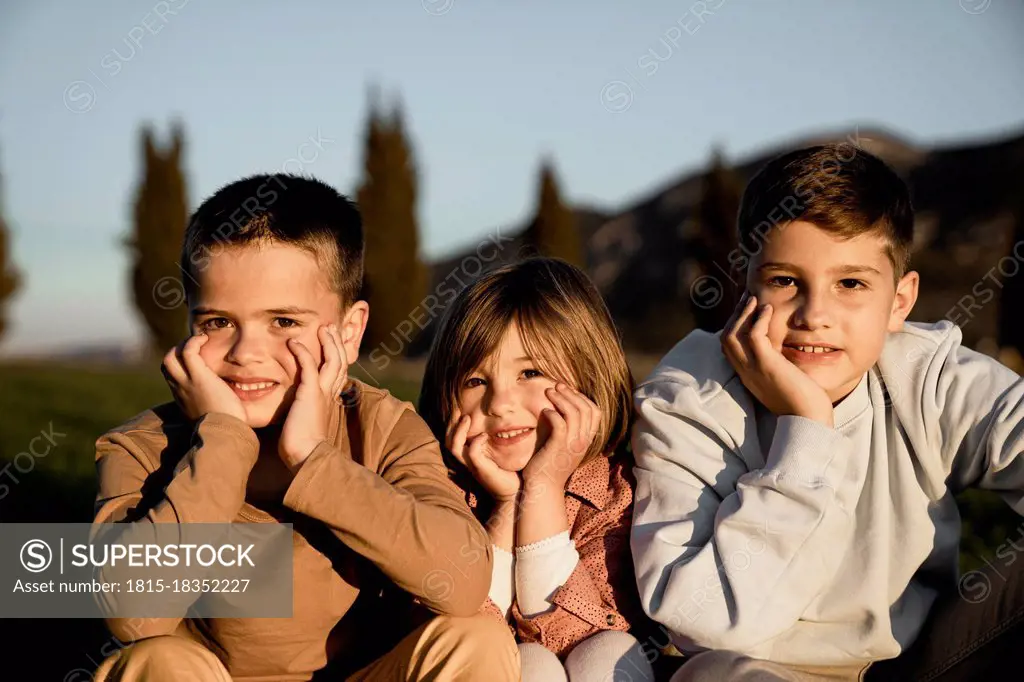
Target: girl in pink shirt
[(527, 385)]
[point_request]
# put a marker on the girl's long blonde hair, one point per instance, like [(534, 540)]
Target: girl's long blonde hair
[(565, 327)]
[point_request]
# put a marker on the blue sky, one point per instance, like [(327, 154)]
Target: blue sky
[(623, 95)]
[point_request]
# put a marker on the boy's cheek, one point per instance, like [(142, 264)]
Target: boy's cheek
[(283, 357)]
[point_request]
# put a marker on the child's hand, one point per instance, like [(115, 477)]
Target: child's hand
[(573, 428), (305, 427), (196, 388), (502, 485), (780, 385)]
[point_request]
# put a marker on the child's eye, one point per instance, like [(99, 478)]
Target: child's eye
[(286, 322), (473, 382), (852, 283), (781, 281), (213, 323), (532, 373)]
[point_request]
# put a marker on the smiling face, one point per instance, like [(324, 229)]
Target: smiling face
[(834, 301), (505, 398), (250, 301)]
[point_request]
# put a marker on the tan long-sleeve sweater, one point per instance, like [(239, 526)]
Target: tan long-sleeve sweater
[(407, 538)]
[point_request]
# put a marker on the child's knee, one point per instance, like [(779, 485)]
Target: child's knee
[(540, 665), (479, 642), (609, 656), (167, 657), (481, 630)]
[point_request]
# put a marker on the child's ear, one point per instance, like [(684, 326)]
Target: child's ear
[(903, 303), (352, 328)]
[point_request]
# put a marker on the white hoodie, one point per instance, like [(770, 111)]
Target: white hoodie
[(786, 540)]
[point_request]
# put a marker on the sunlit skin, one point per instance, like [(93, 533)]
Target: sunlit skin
[(809, 288), (251, 301), (506, 395), (554, 426), (271, 347)]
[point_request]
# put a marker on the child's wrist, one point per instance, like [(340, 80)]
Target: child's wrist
[(296, 456), (505, 498), (823, 415)]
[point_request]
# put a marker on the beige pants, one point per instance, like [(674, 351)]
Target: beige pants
[(712, 666), (445, 648)]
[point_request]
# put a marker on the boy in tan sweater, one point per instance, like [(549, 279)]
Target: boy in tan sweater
[(267, 427)]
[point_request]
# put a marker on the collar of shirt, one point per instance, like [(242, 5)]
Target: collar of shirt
[(590, 482)]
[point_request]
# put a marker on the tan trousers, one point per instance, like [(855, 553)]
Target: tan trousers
[(442, 650)]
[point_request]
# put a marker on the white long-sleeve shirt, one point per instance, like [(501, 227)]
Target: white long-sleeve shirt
[(790, 541), (533, 575)]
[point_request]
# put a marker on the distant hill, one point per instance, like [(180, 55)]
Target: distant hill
[(111, 353), (965, 197)]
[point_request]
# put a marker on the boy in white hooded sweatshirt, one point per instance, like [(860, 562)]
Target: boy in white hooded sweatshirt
[(795, 515)]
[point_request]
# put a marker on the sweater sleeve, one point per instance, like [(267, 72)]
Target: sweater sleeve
[(503, 584), (206, 486), (973, 412), (540, 569), (408, 518), (728, 557)]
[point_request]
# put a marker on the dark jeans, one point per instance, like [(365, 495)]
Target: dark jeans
[(975, 632)]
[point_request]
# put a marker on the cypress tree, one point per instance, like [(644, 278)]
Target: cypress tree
[(553, 231), (160, 214), (10, 279), (395, 276)]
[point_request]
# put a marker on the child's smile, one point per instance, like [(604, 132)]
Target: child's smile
[(250, 388)]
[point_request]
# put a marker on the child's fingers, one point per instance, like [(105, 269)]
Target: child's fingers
[(476, 458), (342, 356), (734, 343), (453, 423), (595, 415), (741, 305), (759, 328), (172, 369), (307, 367), (760, 345), (580, 430), (457, 446), (557, 424), (193, 362), (567, 405), (328, 374)]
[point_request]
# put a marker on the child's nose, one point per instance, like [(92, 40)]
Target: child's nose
[(814, 311), (246, 347), (499, 400)]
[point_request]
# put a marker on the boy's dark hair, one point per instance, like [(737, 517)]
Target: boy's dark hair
[(288, 209), (840, 188)]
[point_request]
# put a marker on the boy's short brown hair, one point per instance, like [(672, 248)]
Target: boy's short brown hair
[(840, 188), (281, 208)]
